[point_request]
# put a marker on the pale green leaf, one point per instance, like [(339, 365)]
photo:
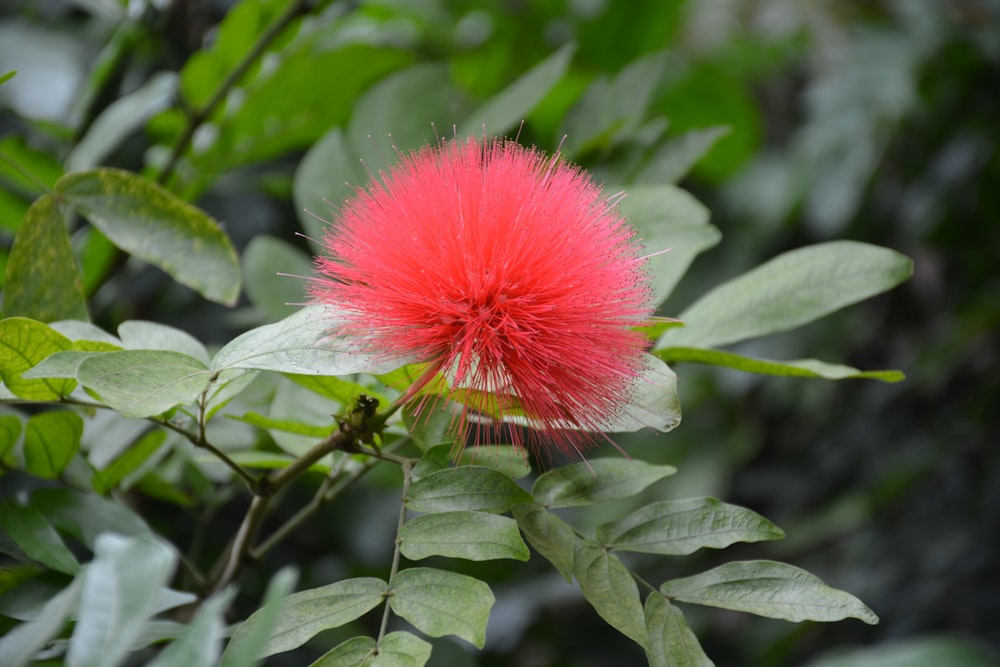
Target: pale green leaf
[(506, 109), (65, 364), (790, 290), (674, 159), (926, 651), (511, 461), (51, 440), (152, 223), (674, 229), (119, 119), (596, 481), (610, 589), (200, 644), (469, 535), (129, 461), (465, 488), (355, 652), (264, 258), (246, 648), (121, 587), (144, 383), (671, 642), (32, 532), (19, 645), (811, 368), (552, 537), (442, 603), (307, 613), (768, 588), (302, 343), (41, 280), (324, 178), (24, 343), (680, 527), (142, 335), (401, 649), (86, 515)]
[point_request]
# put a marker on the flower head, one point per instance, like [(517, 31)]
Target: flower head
[(508, 272)]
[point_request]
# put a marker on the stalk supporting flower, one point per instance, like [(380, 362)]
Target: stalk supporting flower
[(509, 273)]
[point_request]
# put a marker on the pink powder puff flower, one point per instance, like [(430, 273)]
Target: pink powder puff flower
[(505, 270)]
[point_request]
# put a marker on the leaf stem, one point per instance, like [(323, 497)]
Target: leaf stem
[(397, 546), (196, 117)]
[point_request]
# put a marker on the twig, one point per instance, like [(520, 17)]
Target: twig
[(396, 552)]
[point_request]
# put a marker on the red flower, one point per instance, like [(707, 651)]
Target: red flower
[(508, 272)]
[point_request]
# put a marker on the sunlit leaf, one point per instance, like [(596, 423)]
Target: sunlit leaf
[(10, 431), (41, 280), (610, 589), (120, 590), (153, 224), (679, 527), (768, 588), (442, 603), (671, 642), (51, 440), (811, 368), (465, 488), (24, 343), (144, 383), (596, 481), (129, 461), (469, 535), (790, 290), (302, 343)]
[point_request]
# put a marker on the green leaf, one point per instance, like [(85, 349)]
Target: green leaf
[(511, 461), (65, 364), (7, 76), (285, 425), (201, 642), (51, 440), (610, 589), (324, 178), (307, 613), (505, 110), (24, 343), (20, 645), (671, 642), (401, 649), (792, 289), (41, 280), (667, 217), (768, 588), (36, 537), (442, 603), (469, 535), (465, 488), (144, 383), (86, 515), (264, 258), (129, 461), (246, 648), (141, 335), (121, 587), (337, 389), (302, 343), (552, 537), (586, 483), (123, 116), (152, 223), (10, 431), (680, 527), (810, 368), (673, 160), (355, 652)]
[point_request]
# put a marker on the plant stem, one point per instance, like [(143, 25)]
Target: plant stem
[(196, 117), (397, 547)]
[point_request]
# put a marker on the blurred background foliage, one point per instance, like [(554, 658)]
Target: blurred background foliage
[(873, 121)]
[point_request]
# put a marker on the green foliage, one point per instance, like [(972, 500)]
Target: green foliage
[(268, 406)]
